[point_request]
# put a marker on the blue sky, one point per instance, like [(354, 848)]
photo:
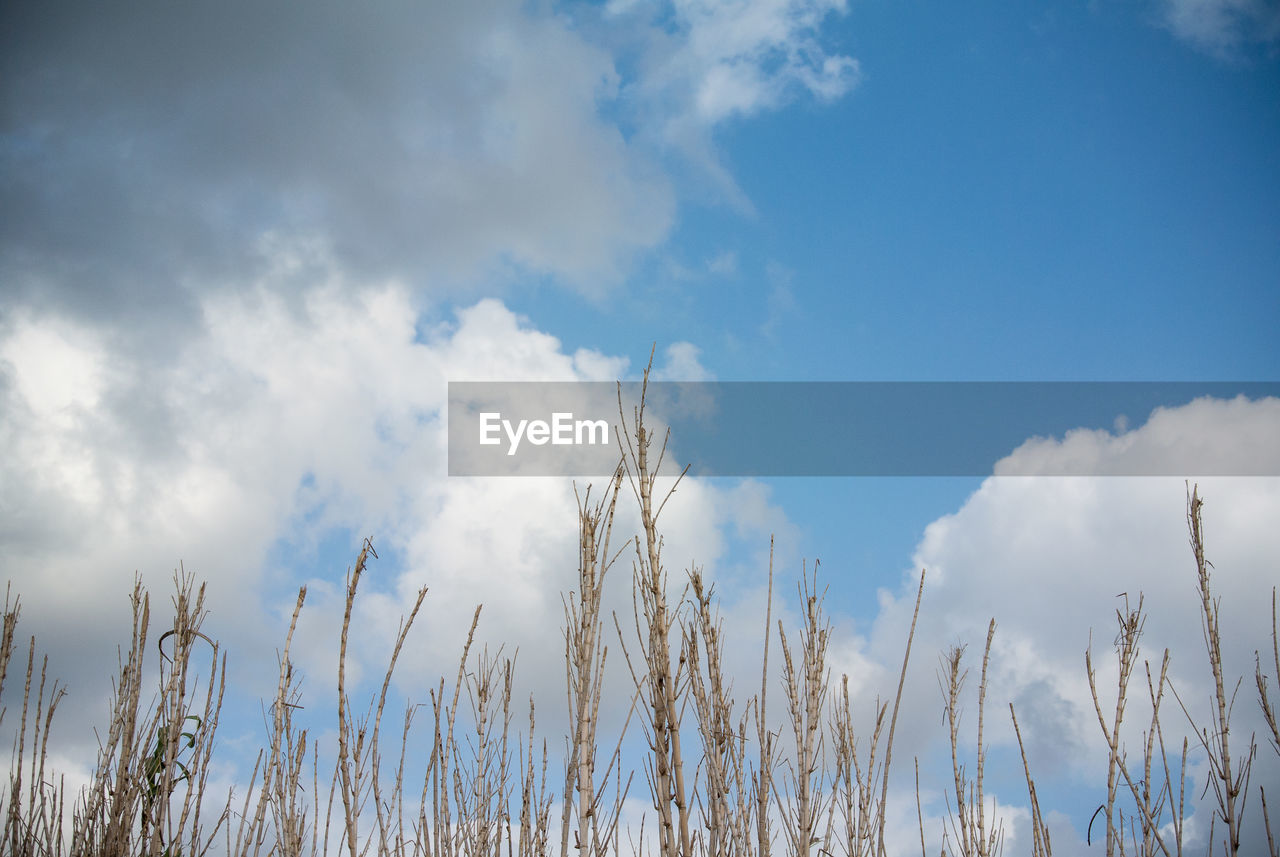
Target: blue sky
[(1045, 196), (246, 246)]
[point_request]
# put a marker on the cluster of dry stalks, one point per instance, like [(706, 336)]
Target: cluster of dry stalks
[(1155, 822), (146, 796), (721, 779)]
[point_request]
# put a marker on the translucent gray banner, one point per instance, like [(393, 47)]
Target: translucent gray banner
[(871, 428)]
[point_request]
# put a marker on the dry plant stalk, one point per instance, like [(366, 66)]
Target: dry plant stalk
[(485, 771), (893, 720), (38, 820), (1268, 716), (968, 825), (585, 657), (183, 731), (278, 811), (1149, 807), (535, 801), (149, 787), (853, 784), (149, 794), (806, 688), (359, 763), (725, 797), (762, 777), (1041, 846), (12, 607), (1229, 788), (111, 804), (662, 684), (1131, 623), (1153, 805), (1229, 777)]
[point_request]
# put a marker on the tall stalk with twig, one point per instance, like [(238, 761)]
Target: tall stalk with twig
[(585, 656), (804, 678), (1269, 716), (968, 825), (662, 683), (1229, 777)]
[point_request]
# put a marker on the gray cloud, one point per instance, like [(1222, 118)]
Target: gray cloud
[(152, 151)]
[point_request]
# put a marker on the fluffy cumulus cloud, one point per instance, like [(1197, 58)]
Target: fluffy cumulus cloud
[(288, 420), (1052, 559), (1216, 436), (283, 424)]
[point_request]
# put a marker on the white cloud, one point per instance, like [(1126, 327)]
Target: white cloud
[(1222, 27), (681, 364), (1205, 436), (279, 422), (724, 264), (284, 422), (748, 55), (55, 374), (705, 62), (287, 419), (1048, 557)]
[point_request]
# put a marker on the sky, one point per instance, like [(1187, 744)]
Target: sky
[(245, 246)]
